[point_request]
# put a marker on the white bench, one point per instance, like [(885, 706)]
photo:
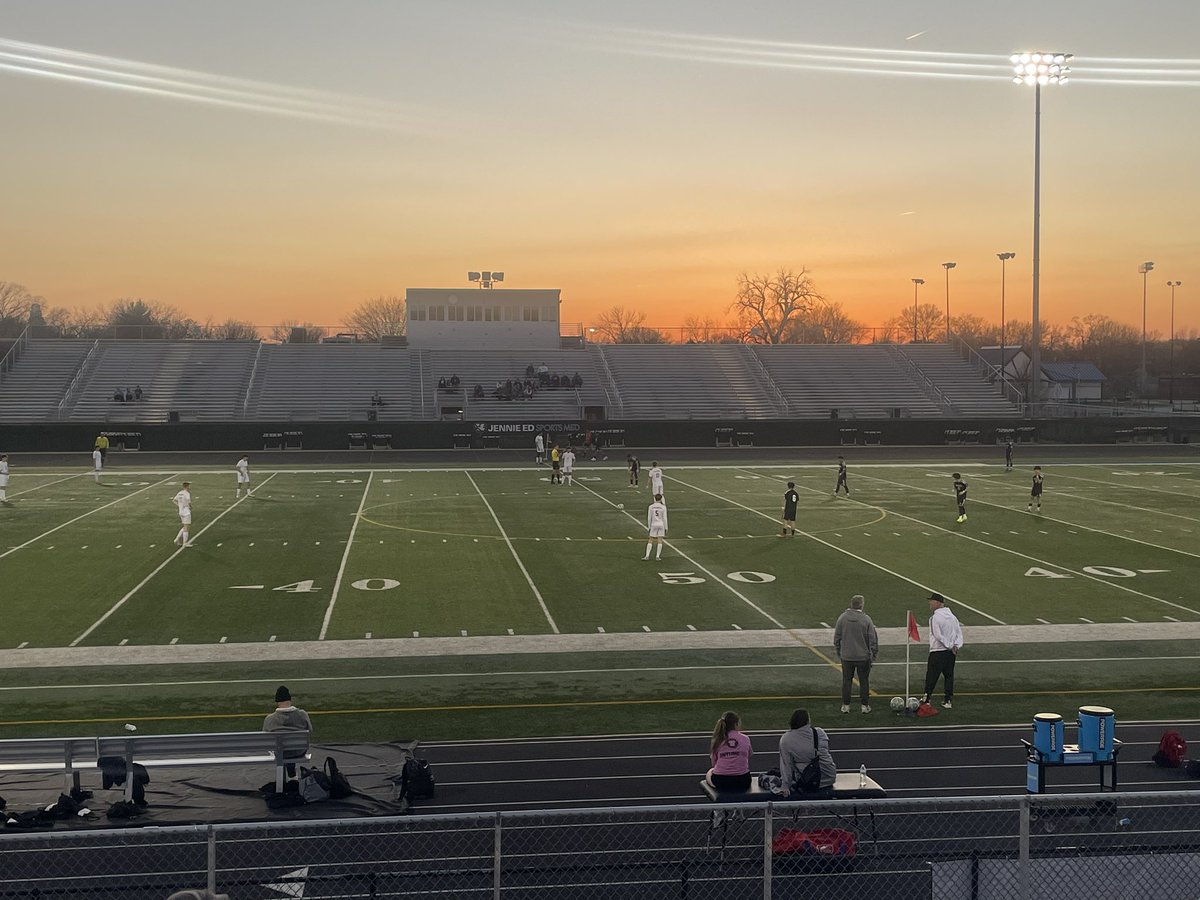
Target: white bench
[(72, 756)]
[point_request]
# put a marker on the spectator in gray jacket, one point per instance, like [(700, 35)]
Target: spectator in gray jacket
[(287, 718), (796, 751), (857, 644)]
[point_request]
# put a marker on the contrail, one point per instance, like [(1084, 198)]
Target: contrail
[(203, 87)]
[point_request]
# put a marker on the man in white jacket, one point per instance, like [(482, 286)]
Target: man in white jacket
[(945, 640)]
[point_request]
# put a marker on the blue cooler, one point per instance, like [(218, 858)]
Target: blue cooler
[(1096, 724), (1048, 736)]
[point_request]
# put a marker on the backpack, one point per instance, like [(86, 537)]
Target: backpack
[(1172, 750), (339, 786), (314, 785), (810, 778), (417, 781), (1193, 768)]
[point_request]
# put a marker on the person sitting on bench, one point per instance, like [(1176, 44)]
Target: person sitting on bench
[(287, 718), (730, 753), (797, 748)]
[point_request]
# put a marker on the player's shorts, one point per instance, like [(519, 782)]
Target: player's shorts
[(1037, 491), (568, 470), (656, 487), (3, 481), (789, 515), (186, 517), (243, 479), (555, 465), (657, 531)]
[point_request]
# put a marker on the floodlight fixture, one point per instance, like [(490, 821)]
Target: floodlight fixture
[(497, 276), (472, 276), (1037, 68)]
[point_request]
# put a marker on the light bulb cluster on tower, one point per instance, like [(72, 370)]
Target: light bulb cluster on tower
[(1040, 68)]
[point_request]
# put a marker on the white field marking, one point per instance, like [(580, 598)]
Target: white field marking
[(758, 609), (1171, 618), (1035, 559), (513, 550), (510, 631), (77, 518), (646, 628), (861, 559), (1089, 621), (224, 638), (141, 584), (123, 642), (23, 645), (367, 635), (693, 628), (271, 639), (46, 484), (174, 641), (1043, 621), (1140, 486), (600, 629), (1127, 619), (337, 583), (826, 625)]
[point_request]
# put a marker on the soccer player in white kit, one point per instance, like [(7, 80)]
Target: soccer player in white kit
[(568, 464), (243, 475), (539, 449), (183, 502), (98, 462), (3, 477), (656, 525), (656, 476)]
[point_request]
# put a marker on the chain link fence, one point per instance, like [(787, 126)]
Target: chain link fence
[(982, 848)]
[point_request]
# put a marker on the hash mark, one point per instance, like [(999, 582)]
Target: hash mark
[(224, 638), (691, 628), (367, 635), (1043, 621), (463, 632), (174, 641), (122, 643), (736, 626), (23, 645), (1089, 621), (600, 629), (825, 625), (416, 634), (646, 628), (1171, 618), (271, 638), (1127, 619)]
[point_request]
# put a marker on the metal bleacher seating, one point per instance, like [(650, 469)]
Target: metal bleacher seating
[(968, 392), (199, 380), (856, 380), (691, 381), (486, 367), (331, 381), (37, 384)]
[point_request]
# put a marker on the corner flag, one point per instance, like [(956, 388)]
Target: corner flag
[(913, 634)]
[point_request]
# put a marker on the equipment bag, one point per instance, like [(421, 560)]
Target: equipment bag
[(418, 781), (819, 841), (314, 786), (1193, 768), (339, 786), (810, 777), (1172, 750)]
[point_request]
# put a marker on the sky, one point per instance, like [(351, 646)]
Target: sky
[(289, 159)]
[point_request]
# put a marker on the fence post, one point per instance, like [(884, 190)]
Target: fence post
[(496, 860), (1023, 873), (768, 839), (212, 860)]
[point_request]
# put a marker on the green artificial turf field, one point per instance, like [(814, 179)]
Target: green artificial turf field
[(339, 555)]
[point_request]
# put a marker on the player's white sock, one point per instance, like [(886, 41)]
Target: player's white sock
[(179, 536), (648, 546), (658, 552), (3, 495)]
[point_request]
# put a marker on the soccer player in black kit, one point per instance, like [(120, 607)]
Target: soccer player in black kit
[(634, 467), (960, 496), (1008, 455), (1035, 493), (790, 499), (841, 482)]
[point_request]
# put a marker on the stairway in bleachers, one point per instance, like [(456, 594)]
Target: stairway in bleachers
[(958, 380)]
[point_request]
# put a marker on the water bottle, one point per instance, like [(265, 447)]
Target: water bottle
[(862, 775)]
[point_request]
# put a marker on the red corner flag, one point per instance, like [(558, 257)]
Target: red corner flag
[(913, 634)]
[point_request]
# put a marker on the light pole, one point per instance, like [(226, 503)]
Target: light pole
[(1171, 384), (1004, 258), (948, 266), (1038, 68), (917, 282), (1145, 269)]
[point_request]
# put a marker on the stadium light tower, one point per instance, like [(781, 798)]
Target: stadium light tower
[(917, 282), (1004, 258), (1144, 269), (1171, 384), (485, 279), (948, 266), (1038, 68)]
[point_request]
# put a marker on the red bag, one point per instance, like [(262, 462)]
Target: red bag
[(1172, 750), (820, 841)]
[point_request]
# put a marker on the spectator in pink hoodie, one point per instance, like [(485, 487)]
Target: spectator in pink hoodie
[(730, 754)]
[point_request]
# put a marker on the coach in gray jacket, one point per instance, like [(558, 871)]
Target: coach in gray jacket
[(857, 644)]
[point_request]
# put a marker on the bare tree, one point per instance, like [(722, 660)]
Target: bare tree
[(975, 330), (619, 325), (293, 332), (702, 330), (826, 323), (15, 304), (928, 327), (766, 305), (379, 317), (229, 330), (154, 318)]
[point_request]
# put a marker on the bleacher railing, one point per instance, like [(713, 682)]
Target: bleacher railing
[(990, 372), (15, 352), (1024, 847)]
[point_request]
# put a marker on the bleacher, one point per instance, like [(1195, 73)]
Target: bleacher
[(199, 380), (968, 392), (332, 381), (690, 381), (486, 367), (33, 389), (856, 380)]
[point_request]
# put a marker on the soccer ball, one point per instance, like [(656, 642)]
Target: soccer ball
[(620, 506), (897, 704), (913, 703)]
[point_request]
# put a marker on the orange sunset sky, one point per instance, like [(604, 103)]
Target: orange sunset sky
[(280, 160)]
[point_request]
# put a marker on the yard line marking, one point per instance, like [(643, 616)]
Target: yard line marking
[(337, 583), (47, 484), (1171, 618), (513, 550), (23, 645), (1035, 559), (224, 638), (271, 638), (1043, 621), (646, 628), (736, 626), (123, 642), (1089, 621), (141, 584), (600, 629), (826, 625), (174, 641), (84, 516), (1136, 487), (1127, 619), (861, 559), (691, 628)]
